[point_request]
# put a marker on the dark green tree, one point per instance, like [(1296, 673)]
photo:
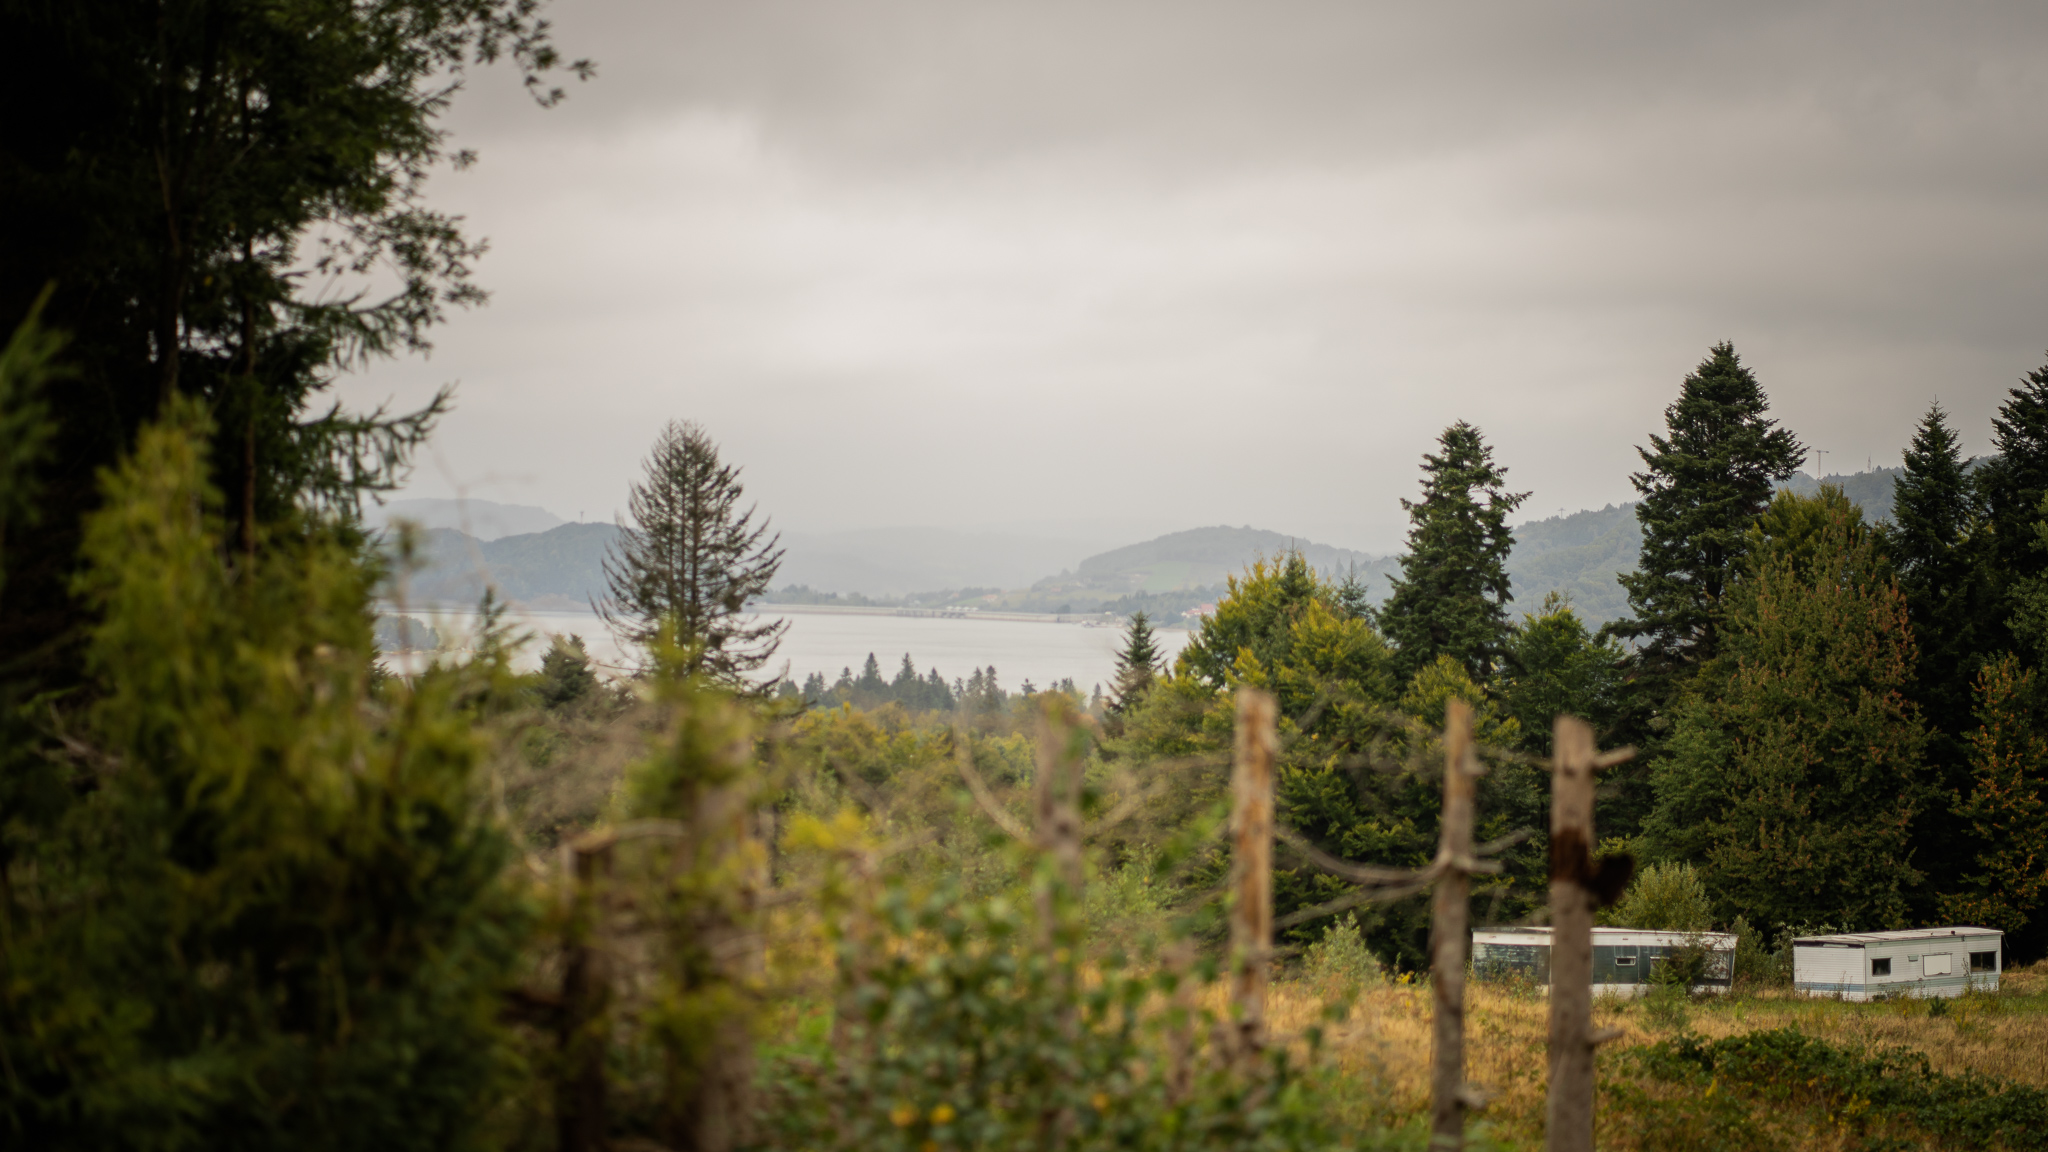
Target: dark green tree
[(692, 559), (1137, 665), (1703, 484), (1941, 548), (1794, 765), (1557, 666), (2013, 483), (286, 920), (870, 681), (1452, 595), (565, 672), (229, 198)]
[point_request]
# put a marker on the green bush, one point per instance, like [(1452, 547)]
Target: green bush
[(1341, 959), (1783, 1066), (1664, 898), (950, 1034), (275, 916)]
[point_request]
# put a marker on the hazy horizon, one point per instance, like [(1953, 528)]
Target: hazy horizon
[(1120, 271)]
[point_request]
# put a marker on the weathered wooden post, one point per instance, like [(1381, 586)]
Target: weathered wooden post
[(1449, 928), (1571, 938), (1057, 828), (1251, 866)]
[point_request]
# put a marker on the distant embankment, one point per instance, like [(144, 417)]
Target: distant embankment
[(1086, 618)]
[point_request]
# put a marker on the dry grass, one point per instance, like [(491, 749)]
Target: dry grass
[(1383, 1050)]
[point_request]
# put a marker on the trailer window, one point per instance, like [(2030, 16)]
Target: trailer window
[(1881, 966), (1624, 961), (1983, 961)]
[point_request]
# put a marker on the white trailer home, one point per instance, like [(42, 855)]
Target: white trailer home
[(1913, 962), (1625, 960)]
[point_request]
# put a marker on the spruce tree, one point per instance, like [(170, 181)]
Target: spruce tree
[(1137, 665), (1793, 768), (2014, 482), (692, 560), (1452, 595), (565, 672), (1941, 550), (1703, 484)]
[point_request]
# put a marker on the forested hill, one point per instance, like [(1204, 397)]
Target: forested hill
[(1580, 553), (1207, 555), (561, 568)]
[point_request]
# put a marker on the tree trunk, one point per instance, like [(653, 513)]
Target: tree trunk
[(1448, 932), (1571, 939)]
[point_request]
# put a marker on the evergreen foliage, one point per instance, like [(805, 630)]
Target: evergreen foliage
[(566, 675), (1667, 897), (1452, 595), (2006, 810), (1703, 484), (693, 559), (1137, 665), (1936, 544), (1794, 765), (207, 156), (2014, 482), (274, 916), (1558, 667)]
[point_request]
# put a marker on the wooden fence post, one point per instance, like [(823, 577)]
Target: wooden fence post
[(1251, 866), (1570, 1126), (1058, 801), (1449, 929)]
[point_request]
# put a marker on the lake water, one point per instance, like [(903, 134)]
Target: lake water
[(1040, 652)]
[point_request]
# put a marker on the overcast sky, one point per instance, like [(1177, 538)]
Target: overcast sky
[(1126, 268)]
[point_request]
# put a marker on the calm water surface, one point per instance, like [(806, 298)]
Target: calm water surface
[(1042, 653)]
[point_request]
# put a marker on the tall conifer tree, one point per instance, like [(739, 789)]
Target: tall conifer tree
[(1452, 595), (692, 559), (1703, 484), (2013, 483), (1136, 666), (1794, 764)]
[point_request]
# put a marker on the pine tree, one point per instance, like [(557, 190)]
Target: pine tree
[(1794, 763), (692, 560), (2007, 807), (1452, 595), (1137, 665), (1703, 485)]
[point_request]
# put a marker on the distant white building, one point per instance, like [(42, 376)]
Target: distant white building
[(1625, 960), (1917, 962)]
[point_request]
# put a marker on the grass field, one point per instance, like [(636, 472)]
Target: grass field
[(1381, 1056)]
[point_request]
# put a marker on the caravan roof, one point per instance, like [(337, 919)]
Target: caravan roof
[(1859, 939)]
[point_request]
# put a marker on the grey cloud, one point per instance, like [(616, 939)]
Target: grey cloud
[(1164, 264)]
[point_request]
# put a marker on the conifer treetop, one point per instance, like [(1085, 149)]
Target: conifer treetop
[(1704, 483)]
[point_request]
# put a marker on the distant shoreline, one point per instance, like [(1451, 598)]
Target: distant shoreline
[(1086, 619)]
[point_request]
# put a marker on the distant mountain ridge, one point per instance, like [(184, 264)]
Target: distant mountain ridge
[(482, 519), (562, 567)]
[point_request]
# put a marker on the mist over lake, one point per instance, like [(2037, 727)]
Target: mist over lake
[(1042, 653)]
